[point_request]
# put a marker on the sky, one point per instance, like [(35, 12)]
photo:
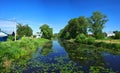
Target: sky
[(57, 13)]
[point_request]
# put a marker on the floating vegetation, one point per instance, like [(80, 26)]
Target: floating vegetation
[(82, 59)]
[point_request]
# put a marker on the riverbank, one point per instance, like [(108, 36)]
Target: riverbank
[(14, 51), (109, 41), (109, 44)]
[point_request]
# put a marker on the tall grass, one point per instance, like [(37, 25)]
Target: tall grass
[(11, 51)]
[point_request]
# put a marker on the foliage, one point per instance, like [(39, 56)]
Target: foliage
[(13, 51), (114, 46), (90, 40), (47, 32), (96, 24), (24, 30), (100, 36), (75, 27), (11, 38), (100, 69), (83, 25), (81, 38), (117, 34), (47, 48), (55, 35), (80, 25)]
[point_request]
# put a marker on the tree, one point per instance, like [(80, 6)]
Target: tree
[(117, 34), (24, 30), (13, 33), (96, 24), (75, 27), (47, 32), (83, 25), (55, 35)]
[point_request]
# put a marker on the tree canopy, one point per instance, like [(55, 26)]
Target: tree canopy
[(80, 25), (117, 35), (46, 31), (75, 26), (97, 22), (24, 30)]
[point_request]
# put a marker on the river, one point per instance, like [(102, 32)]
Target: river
[(66, 57)]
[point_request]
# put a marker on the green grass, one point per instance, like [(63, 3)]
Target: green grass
[(109, 41), (12, 51)]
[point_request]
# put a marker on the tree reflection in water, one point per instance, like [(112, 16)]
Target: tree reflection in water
[(68, 58), (47, 48), (83, 54)]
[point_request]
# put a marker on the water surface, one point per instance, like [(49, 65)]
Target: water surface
[(61, 57)]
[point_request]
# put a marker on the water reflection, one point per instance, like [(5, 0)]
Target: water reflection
[(47, 48), (87, 56), (67, 57)]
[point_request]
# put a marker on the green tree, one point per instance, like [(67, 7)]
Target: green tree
[(55, 35), (117, 34), (46, 31), (24, 30), (83, 25), (97, 21), (75, 27)]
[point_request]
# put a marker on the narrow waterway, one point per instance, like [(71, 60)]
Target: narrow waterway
[(63, 57)]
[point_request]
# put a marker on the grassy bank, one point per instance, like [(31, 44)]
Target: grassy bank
[(11, 51), (106, 43), (109, 41)]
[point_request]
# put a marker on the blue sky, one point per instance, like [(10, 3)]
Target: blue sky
[(56, 13)]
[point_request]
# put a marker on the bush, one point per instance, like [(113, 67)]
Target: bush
[(90, 40), (11, 38), (100, 36), (81, 38)]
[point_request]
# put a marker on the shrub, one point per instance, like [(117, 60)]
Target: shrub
[(90, 40), (11, 38), (81, 38), (100, 36), (117, 35)]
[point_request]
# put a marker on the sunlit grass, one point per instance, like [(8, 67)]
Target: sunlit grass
[(109, 41), (12, 51)]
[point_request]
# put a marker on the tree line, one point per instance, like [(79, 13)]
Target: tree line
[(83, 25), (25, 30), (76, 27)]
